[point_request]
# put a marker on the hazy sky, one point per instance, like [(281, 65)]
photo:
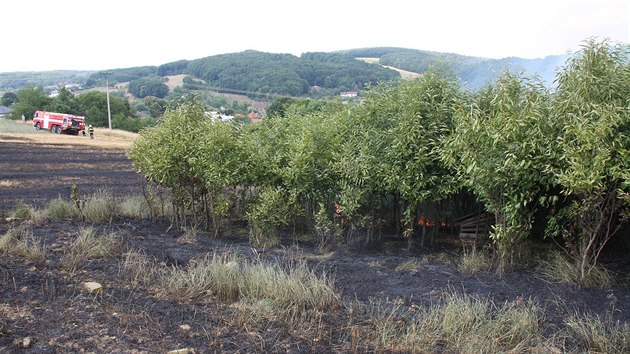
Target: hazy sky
[(96, 35)]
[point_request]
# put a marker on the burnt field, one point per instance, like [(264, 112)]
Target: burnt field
[(377, 291), (37, 173)]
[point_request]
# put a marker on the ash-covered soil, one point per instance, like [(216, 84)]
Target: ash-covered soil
[(37, 173)]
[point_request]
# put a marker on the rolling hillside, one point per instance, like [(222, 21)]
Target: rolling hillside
[(311, 74), (473, 72)]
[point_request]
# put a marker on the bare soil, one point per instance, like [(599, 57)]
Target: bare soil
[(44, 309)]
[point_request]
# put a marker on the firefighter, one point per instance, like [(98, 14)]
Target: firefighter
[(91, 131)]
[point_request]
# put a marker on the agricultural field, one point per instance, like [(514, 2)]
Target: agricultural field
[(162, 289)]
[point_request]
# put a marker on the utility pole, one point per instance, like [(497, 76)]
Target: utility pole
[(109, 112)]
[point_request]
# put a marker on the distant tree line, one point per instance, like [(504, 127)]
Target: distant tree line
[(92, 105), (17, 80)]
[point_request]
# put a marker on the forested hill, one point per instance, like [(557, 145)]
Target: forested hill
[(473, 71), (318, 74), (255, 71)]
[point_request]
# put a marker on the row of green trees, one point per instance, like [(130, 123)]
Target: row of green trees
[(419, 149)]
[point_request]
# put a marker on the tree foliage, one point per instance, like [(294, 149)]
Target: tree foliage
[(254, 71), (151, 86), (500, 148), (592, 107), (29, 100), (8, 98)]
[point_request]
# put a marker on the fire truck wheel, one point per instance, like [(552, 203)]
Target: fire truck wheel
[(58, 130), (38, 126)]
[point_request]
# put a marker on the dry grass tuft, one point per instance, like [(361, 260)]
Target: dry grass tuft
[(410, 265), (100, 207), (9, 183), (473, 262), (286, 290), (600, 336), (139, 269), (61, 209), (89, 246), (135, 208), (19, 241), (460, 324), (560, 268)]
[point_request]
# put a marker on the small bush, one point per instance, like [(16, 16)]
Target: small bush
[(61, 209), (267, 214), (601, 336), (560, 268), (19, 241), (100, 207), (472, 262), (89, 246)]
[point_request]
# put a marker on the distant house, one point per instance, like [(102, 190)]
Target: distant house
[(4, 111), (260, 107), (218, 116), (349, 94), (254, 117)]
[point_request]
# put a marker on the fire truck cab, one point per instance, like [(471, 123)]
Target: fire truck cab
[(58, 122)]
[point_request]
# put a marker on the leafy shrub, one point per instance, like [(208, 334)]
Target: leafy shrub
[(267, 214)]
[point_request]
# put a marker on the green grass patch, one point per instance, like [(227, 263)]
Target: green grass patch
[(15, 126)]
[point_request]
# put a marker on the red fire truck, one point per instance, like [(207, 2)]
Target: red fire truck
[(58, 122)]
